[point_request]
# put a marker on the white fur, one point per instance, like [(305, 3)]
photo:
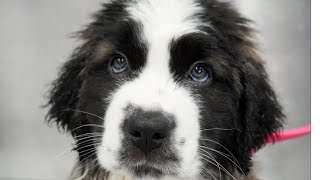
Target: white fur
[(162, 21)]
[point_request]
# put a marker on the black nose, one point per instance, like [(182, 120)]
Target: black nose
[(148, 130)]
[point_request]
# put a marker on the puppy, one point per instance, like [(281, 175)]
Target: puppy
[(165, 89)]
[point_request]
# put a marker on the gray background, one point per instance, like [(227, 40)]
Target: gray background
[(35, 40)]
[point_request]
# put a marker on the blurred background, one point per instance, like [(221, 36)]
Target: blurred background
[(35, 41)]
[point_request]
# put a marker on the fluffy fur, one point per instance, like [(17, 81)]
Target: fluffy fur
[(216, 125)]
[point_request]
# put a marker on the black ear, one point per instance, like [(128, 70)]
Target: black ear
[(64, 95), (260, 112)]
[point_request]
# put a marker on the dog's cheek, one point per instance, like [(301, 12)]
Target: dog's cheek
[(187, 133), (108, 151)]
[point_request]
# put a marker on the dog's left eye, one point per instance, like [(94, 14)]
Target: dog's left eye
[(199, 73), (119, 64)]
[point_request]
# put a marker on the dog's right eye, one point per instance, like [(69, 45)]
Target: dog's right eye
[(119, 64), (199, 73)]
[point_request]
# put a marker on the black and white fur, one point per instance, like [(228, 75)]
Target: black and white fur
[(216, 125)]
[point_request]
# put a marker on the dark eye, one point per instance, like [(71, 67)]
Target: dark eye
[(119, 64), (199, 73)]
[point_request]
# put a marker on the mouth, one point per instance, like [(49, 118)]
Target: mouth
[(154, 164), (146, 170), (152, 170)]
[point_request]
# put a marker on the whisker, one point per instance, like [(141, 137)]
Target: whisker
[(87, 140), (202, 174), (212, 158), (91, 150), (83, 166), (87, 136), (75, 110), (224, 169), (83, 175), (217, 165), (93, 153), (86, 165), (91, 133), (207, 152), (209, 161), (222, 129), (91, 144), (206, 169), (90, 136), (219, 172), (224, 155), (86, 125), (92, 163), (96, 164), (63, 153), (223, 148)]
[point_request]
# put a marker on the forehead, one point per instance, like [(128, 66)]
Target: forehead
[(162, 22), (165, 19)]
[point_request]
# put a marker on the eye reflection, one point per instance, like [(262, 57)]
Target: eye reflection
[(199, 73), (119, 64)]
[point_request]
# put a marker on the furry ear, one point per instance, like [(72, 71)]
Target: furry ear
[(260, 112), (64, 95)]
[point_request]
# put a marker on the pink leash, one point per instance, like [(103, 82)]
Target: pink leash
[(289, 134)]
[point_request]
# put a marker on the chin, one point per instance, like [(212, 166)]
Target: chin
[(165, 89)]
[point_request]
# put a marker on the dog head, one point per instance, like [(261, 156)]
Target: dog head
[(163, 88)]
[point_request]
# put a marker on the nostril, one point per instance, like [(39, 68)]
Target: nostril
[(158, 136), (135, 134), (148, 130)]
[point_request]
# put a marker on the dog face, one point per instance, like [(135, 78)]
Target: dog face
[(164, 88)]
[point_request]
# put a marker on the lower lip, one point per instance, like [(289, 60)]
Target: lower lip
[(137, 156), (147, 170)]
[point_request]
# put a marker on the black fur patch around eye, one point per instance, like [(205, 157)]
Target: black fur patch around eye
[(123, 40), (202, 48), (189, 49)]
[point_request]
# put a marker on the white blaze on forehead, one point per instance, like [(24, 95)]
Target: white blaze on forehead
[(162, 21), (166, 18)]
